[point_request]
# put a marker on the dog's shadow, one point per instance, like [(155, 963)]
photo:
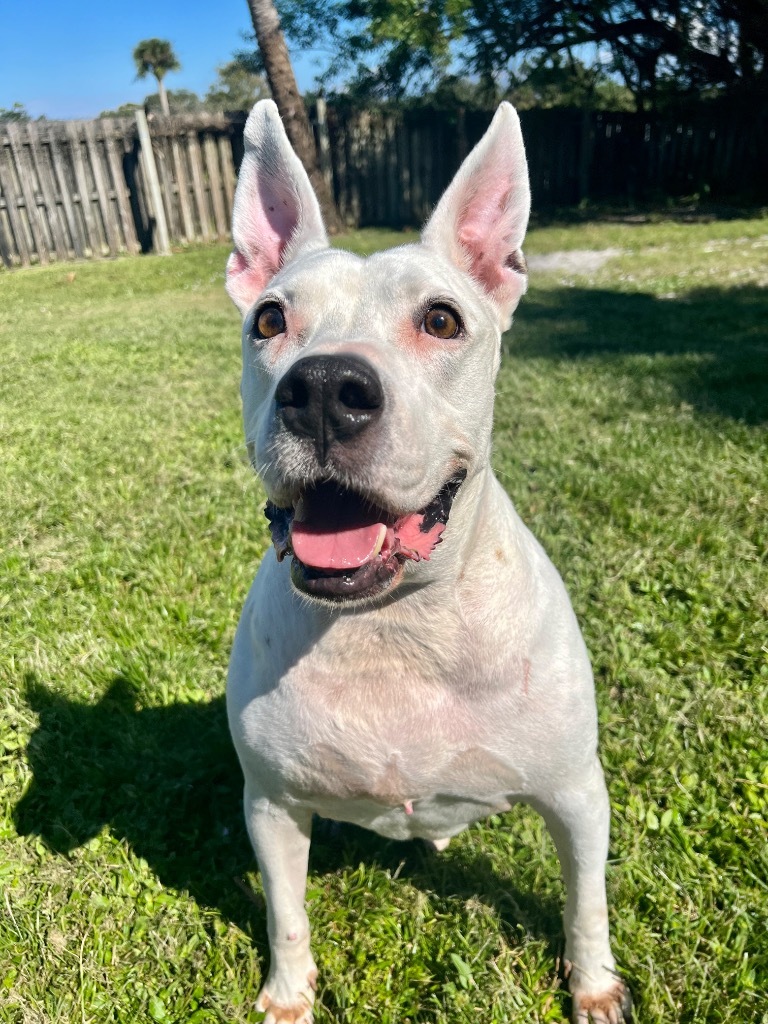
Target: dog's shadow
[(708, 346), (166, 780)]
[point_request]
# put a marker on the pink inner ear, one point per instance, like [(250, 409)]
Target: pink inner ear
[(487, 224), (271, 220), (264, 225), (245, 282), (484, 261)]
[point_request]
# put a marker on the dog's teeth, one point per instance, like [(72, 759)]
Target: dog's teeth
[(380, 539)]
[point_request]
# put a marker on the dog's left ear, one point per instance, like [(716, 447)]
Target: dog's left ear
[(481, 219), (276, 213)]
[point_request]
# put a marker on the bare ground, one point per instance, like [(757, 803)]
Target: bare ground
[(576, 261)]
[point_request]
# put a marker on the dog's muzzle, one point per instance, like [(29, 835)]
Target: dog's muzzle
[(344, 545), (346, 548), (329, 400)]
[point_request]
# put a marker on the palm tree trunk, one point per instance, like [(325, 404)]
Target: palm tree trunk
[(285, 92), (164, 105)]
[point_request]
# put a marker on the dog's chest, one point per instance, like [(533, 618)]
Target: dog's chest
[(407, 756)]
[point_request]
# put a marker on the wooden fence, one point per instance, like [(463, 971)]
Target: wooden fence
[(89, 189), (391, 169)]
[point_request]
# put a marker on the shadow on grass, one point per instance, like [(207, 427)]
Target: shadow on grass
[(166, 780), (711, 345)]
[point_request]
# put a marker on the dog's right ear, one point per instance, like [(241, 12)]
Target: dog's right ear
[(276, 213)]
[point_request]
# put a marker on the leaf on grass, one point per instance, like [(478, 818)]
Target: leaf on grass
[(157, 1010), (465, 971)]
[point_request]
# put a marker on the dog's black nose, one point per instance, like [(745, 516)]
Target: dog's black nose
[(329, 399)]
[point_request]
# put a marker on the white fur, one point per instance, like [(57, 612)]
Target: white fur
[(466, 688)]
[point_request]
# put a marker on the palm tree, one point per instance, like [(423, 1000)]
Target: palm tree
[(285, 93), (156, 57)]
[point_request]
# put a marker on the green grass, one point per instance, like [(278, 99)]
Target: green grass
[(631, 431)]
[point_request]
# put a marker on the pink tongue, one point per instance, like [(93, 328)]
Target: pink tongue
[(345, 548), (335, 529)]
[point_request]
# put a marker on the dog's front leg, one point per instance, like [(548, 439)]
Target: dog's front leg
[(281, 842), (578, 819)]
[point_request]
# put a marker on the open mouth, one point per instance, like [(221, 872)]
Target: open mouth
[(345, 548)]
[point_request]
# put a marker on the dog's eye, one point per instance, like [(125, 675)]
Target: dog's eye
[(269, 321), (441, 322)]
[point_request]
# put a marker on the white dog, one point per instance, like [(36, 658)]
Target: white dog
[(377, 677)]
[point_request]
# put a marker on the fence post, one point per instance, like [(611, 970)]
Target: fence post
[(324, 142), (161, 243), (586, 153)]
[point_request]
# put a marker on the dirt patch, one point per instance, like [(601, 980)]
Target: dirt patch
[(573, 261)]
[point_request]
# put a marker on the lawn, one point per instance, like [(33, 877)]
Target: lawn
[(631, 431)]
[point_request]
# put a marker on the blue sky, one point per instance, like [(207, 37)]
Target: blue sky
[(73, 59)]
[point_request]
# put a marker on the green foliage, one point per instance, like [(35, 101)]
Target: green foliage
[(567, 82), (17, 112), (380, 49), (631, 432), (180, 101), (237, 87), (155, 57), (670, 51), (124, 110)]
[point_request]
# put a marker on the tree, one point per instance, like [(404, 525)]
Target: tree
[(124, 110), (237, 87), (391, 47), (564, 81), (285, 92), (18, 112), (156, 57), (383, 48), (644, 43), (179, 101)]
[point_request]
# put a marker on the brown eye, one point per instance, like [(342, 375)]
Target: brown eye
[(441, 322), (269, 322)]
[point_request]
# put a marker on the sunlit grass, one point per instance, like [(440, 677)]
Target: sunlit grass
[(631, 415)]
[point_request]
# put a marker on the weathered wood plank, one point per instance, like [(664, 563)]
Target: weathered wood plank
[(405, 215), (227, 173), (341, 172), (63, 176), (164, 164), (418, 202), (115, 164), (198, 186), (6, 253), (29, 192), (324, 142), (394, 189), (9, 190), (160, 240), (91, 233), (216, 187), (357, 192), (104, 203), (182, 184), (40, 154)]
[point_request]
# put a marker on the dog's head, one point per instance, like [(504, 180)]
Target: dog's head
[(368, 383)]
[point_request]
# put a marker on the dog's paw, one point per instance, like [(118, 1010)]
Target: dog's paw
[(280, 1008), (611, 1006)]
